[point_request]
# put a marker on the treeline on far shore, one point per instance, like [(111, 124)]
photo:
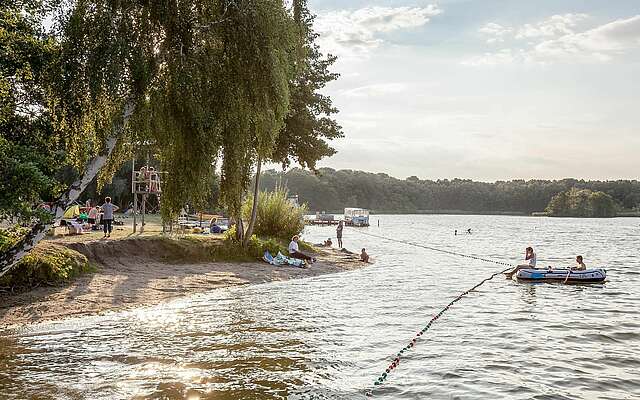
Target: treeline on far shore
[(332, 190)]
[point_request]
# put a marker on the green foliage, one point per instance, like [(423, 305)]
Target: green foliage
[(332, 190), (253, 94), (276, 216), (198, 248), (47, 264), (582, 203), (256, 246), (208, 79), (309, 123), (29, 155), (10, 236)]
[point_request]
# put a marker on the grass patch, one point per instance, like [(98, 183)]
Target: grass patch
[(47, 265), (196, 249)]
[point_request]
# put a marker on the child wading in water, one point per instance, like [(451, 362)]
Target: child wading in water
[(364, 256)]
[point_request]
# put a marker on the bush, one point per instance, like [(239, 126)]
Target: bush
[(47, 264), (276, 216), (257, 246), (9, 237)]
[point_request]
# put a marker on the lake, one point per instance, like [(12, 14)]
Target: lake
[(330, 337)]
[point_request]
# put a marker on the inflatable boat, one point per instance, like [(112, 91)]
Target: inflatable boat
[(560, 275)]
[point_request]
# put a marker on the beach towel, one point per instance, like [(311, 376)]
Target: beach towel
[(281, 260)]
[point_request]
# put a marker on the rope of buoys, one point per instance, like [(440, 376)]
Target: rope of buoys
[(396, 360), (435, 249)]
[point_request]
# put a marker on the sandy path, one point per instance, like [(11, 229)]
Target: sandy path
[(126, 282)]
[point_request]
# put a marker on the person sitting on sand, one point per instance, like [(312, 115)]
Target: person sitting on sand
[(530, 259), (364, 257), (580, 266), (328, 242), (294, 251), (93, 216)]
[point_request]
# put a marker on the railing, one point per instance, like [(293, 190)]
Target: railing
[(147, 182)]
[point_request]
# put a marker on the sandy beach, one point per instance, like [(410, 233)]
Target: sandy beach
[(127, 278)]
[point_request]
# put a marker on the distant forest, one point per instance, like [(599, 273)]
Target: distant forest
[(332, 190)]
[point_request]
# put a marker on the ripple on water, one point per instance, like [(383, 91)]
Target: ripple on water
[(330, 337)]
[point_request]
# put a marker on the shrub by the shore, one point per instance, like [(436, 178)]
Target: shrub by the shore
[(48, 264), (277, 216)]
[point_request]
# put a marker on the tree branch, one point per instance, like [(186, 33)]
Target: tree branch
[(10, 258)]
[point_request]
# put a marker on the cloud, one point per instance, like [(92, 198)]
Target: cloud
[(496, 32), (557, 41), (500, 57), (553, 26), (376, 90), (361, 30), (598, 44)]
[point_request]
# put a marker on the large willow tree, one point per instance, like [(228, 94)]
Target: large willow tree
[(309, 123), (198, 80)]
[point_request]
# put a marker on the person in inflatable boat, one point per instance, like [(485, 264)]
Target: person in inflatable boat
[(580, 266), (530, 259)]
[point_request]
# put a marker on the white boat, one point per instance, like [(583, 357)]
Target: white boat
[(595, 275), (356, 216)]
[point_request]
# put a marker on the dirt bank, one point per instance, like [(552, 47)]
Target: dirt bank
[(137, 272)]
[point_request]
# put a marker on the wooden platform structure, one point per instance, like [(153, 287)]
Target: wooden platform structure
[(322, 222), (145, 183)]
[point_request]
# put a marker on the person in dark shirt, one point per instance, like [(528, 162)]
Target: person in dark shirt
[(107, 216), (339, 233)]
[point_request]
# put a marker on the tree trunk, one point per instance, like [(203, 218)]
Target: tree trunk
[(10, 258), (254, 208), (239, 229)]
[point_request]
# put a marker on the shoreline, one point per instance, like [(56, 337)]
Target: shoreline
[(125, 280)]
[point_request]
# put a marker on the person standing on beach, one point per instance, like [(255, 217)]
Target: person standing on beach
[(107, 216), (339, 233)]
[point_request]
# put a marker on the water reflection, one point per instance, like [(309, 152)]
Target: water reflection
[(528, 293)]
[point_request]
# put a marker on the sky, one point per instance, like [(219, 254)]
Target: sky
[(485, 89)]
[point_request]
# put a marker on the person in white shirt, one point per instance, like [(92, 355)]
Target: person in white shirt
[(294, 251), (530, 259)]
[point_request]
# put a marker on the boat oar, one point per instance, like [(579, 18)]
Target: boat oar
[(567, 278)]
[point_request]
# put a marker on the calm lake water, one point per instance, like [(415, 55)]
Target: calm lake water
[(330, 337)]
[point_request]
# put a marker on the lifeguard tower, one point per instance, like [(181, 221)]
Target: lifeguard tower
[(145, 182)]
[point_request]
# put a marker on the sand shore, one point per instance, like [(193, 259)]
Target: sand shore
[(127, 279)]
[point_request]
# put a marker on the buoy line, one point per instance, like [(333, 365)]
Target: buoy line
[(396, 360), (434, 248)]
